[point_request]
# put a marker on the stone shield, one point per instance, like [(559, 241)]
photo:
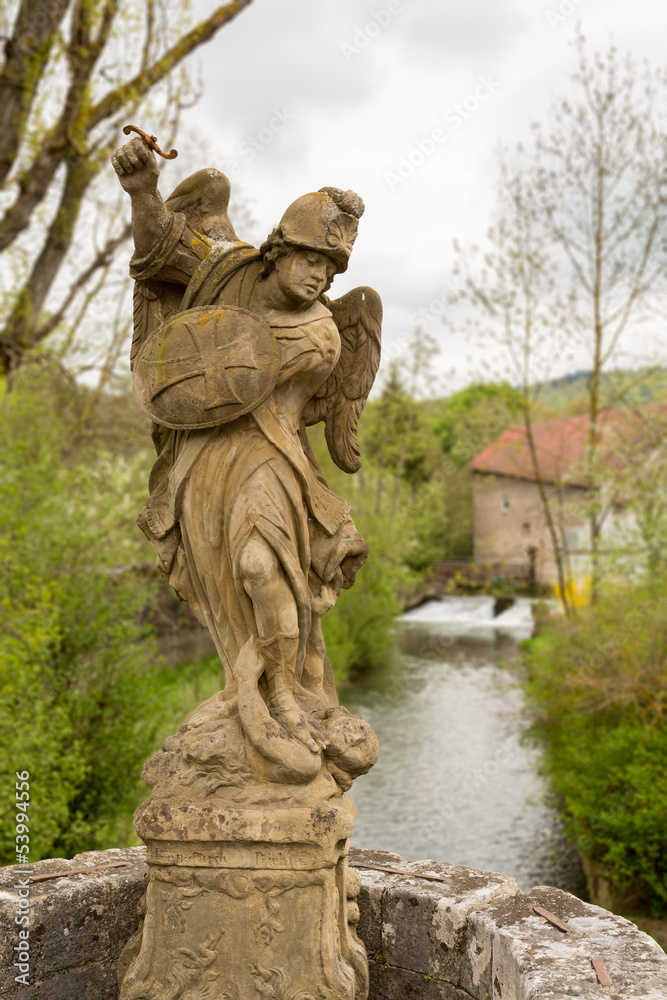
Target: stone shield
[(206, 366)]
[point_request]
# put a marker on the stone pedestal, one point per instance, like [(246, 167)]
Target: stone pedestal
[(245, 903)]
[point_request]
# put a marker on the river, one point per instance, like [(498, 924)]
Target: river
[(455, 782)]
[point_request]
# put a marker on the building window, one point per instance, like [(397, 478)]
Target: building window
[(505, 505)]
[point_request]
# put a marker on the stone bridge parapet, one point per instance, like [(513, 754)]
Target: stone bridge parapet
[(463, 935)]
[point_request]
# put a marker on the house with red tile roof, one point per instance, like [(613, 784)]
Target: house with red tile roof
[(510, 526)]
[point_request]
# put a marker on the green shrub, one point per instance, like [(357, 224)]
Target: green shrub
[(78, 669), (359, 628), (599, 688)]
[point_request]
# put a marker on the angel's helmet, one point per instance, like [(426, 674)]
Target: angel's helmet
[(326, 220)]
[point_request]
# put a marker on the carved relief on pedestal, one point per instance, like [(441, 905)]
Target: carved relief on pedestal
[(261, 918), (236, 351)]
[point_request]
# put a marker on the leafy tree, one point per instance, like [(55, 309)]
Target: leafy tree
[(397, 435), (439, 524), (359, 628), (439, 493), (77, 665), (473, 418)]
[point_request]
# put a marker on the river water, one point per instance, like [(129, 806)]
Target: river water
[(455, 782)]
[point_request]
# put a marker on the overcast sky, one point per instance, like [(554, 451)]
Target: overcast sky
[(304, 93)]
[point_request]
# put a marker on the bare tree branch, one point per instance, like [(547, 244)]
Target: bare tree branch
[(79, 139), (100, 262)]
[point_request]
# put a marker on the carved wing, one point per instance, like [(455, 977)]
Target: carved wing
[(339, 402), (203, 197)]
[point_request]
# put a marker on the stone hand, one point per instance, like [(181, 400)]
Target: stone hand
[(327, 596), (136, 167)]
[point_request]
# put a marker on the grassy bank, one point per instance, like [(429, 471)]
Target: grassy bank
[(598, 687)]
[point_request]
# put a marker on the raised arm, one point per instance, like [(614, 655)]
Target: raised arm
[(138, 174)]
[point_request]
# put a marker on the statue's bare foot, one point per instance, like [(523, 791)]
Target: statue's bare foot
[(299, 725), (318, 732)]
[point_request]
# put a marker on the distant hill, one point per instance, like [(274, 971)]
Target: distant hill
[(568, 396)]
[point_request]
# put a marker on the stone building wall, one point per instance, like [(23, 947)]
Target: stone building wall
[(508, 518), (465, 935)]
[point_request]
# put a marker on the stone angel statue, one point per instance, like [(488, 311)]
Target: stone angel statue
[(236, 351)]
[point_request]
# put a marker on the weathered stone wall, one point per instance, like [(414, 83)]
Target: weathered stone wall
[(471, 935)]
